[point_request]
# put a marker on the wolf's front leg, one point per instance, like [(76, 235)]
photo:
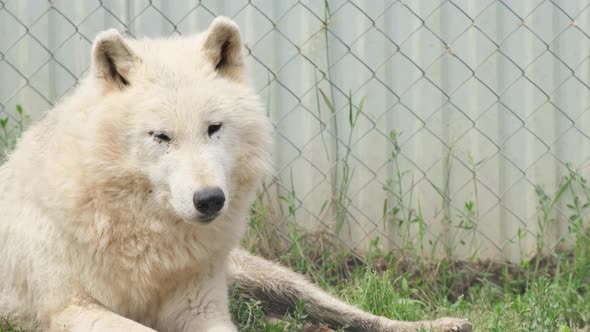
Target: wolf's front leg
[(201, 305), (280, 289), (88, 316)]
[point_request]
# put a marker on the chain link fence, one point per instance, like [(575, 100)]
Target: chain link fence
[(441, 125)]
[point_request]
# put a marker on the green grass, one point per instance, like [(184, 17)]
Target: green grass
[(6, 327), (549, 301)]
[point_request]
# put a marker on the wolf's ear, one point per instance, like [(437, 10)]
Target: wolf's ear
[(112, 59), (222, 46)]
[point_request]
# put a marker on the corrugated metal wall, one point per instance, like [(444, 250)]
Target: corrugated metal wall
[(488, 99)]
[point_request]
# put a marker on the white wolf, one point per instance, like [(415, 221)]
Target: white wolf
[(122, 209)]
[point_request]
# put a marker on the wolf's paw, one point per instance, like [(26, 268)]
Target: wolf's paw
[(447, 324)]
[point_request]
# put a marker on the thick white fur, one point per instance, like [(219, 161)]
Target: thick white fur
[(98, 231), (94, 210)]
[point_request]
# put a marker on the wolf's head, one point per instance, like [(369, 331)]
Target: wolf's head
[(179, 113)]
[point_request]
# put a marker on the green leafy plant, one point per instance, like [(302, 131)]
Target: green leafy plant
[(10, 130)]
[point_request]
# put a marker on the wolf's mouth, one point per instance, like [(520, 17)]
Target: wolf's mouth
[(207, 219)]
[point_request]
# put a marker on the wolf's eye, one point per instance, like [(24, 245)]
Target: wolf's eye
[(213, 129), (160, 136)]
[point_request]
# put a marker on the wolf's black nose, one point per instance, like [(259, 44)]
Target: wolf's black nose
[(209, 201)]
